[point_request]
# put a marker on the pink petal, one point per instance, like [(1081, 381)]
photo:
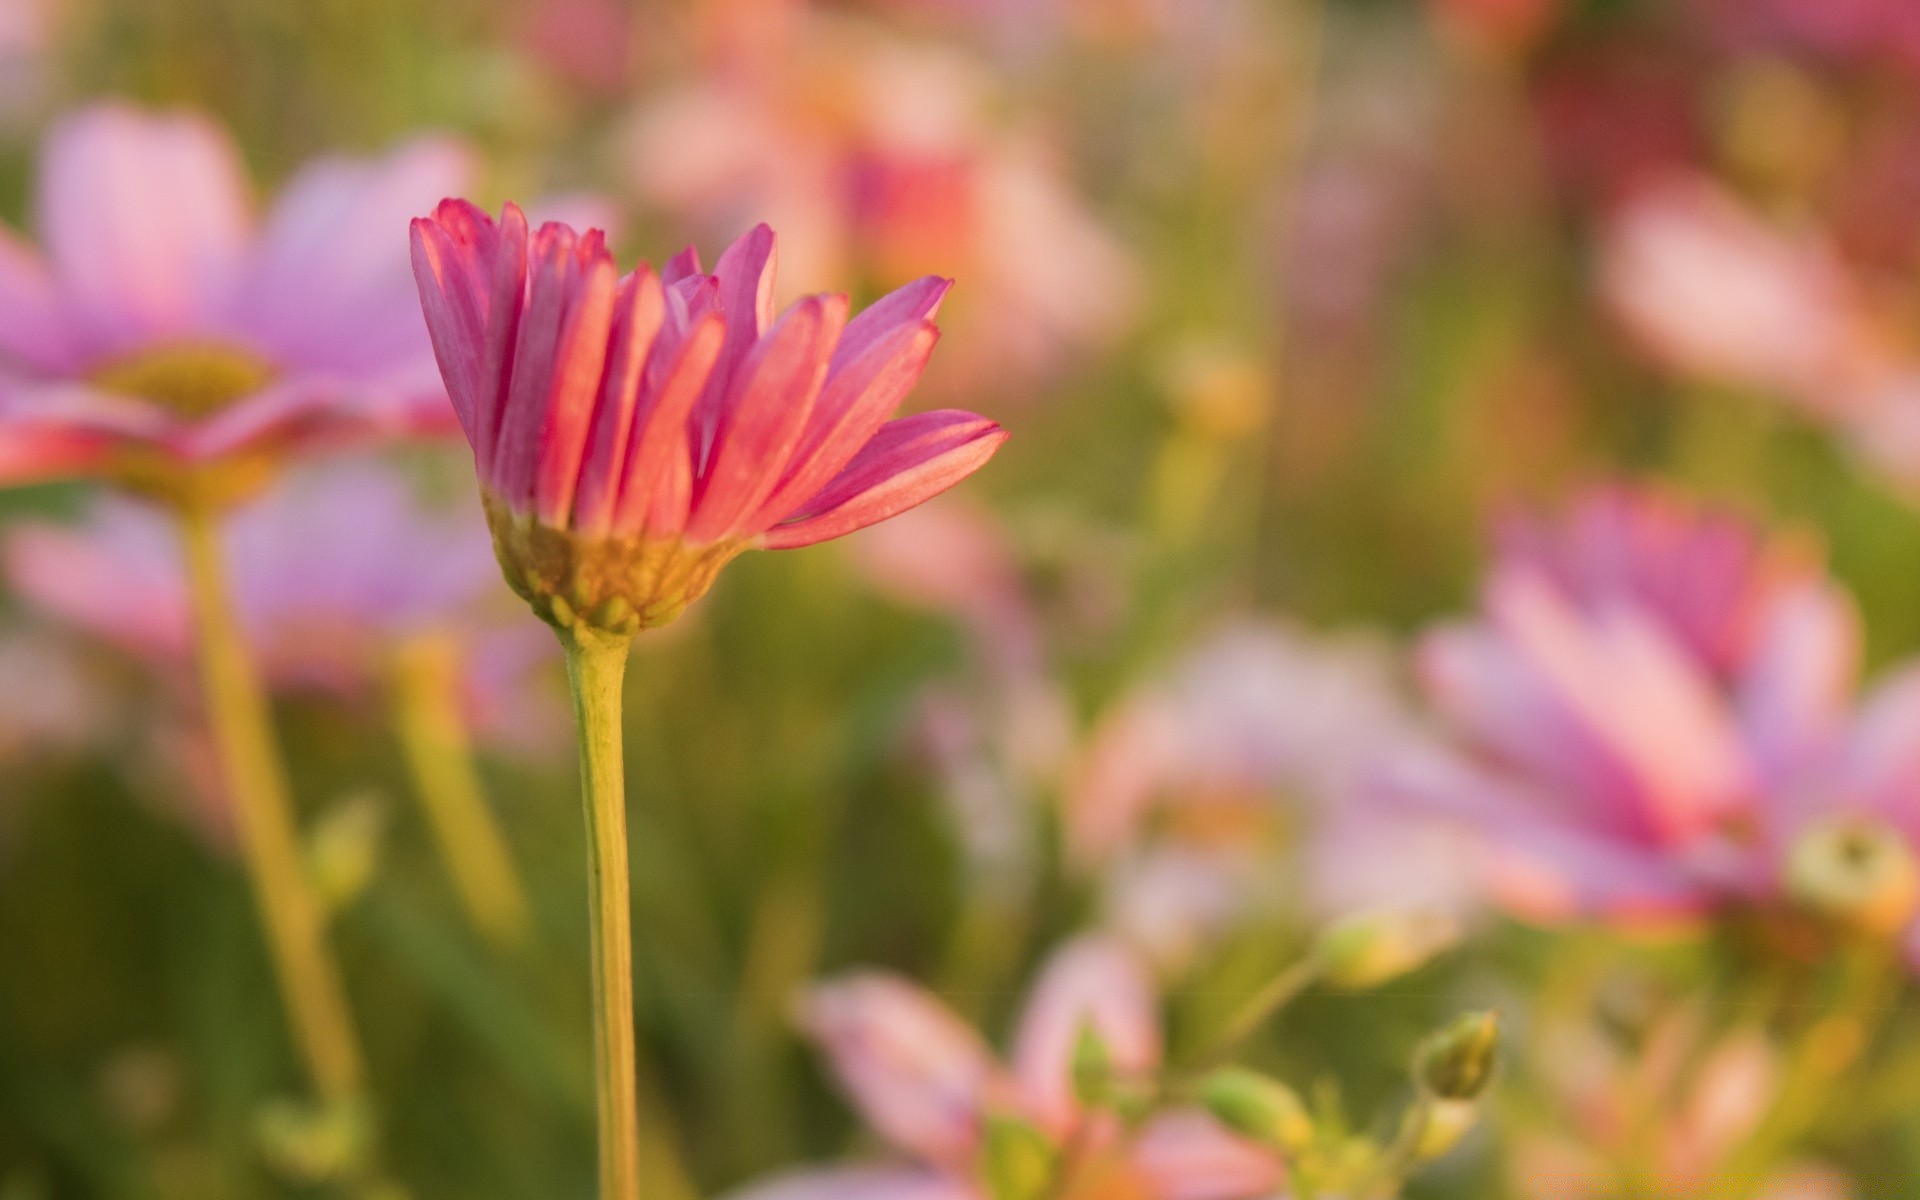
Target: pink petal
[(764, 415), (144, 218), (1089, 982), (1189, 1156), (557, 360), (639, 311), (918, 1073), (902, 308), (472, 279), (119, 578), (857, 1183), (1797, 690), (36, 332), (745, 274), (909, 461), (852, 407), (656, 489), (681, 266), (1640, 695), (327, 285)]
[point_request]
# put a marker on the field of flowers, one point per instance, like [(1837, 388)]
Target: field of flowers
[(959, 599)]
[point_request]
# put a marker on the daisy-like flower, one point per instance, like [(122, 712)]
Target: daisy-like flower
[(1651, 708), (164, 337), (633, 434), (929, 1085)]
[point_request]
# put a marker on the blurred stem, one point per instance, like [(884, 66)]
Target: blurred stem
[(596, 668), (425, 678), (1259, 1009), (256, 787)]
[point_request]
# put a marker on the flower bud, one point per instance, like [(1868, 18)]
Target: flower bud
[(1372, 948), (1856, 870), (1457, 1062), (1016, 1159), (1261, 1109)]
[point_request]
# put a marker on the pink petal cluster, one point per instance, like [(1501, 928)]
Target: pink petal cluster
[(1652, 703), (329, 572), (926, 1082), (678, 411), (161, 319)]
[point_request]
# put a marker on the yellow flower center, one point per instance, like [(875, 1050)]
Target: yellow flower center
[(193, 379)]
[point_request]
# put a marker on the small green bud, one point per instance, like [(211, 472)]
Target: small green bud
[(1258, 1108), (1017, 1159), (1457, 1062), (1856, 870), (343, 849), (1095, 1083), (1373, 948)]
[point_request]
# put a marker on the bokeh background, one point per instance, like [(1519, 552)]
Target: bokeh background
[(1283, 302)]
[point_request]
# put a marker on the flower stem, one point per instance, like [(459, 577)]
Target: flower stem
[(257, 789), (440, 757), (596, 666)]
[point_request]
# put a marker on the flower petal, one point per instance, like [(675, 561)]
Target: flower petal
[(144, 218), (918, 1073), (36, 332), (903, 307), (1187, 1155), (1089, 982), (852, 407), (909, 461), (639, 310), (764, 416), (327, 285)]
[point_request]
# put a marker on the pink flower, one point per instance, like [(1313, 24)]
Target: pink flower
[(1715, 293), (1640, 710), (926, 1082), (162, 330), (330, 572), (632, 434)]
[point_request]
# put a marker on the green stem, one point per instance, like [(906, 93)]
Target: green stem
[(596, 666), (256, 787), (1260, 1008), (440, 757)]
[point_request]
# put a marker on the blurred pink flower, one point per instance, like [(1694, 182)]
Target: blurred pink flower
[(878, 161), (164, 328), (1714, 292), (331, 571), (927, 1083), (675, 410), (1638, 709)]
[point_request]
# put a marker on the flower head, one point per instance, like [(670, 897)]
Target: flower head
[(1652, 694), (633, 434), (162, 337), (932, 1087)]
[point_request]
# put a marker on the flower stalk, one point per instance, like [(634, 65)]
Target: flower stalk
[(256, 786), (596, 669), (439, 756)]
